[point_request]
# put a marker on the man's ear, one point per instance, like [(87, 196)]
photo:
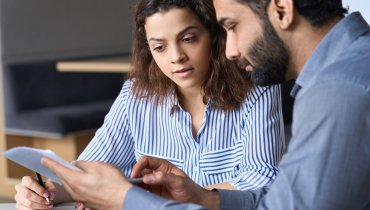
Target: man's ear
[(281, 13)]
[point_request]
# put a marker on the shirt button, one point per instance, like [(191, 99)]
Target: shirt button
[(236, 168), (195, 169)]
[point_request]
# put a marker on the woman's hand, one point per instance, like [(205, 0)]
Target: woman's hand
[(30, 195)]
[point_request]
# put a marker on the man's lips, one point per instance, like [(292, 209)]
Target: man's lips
[(249, 68), (244, 64)]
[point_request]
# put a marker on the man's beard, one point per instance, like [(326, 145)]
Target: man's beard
[(270, 58)]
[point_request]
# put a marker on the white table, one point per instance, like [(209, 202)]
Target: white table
[(65, 206)]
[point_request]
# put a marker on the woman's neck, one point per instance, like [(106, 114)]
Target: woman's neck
[(192, 101)]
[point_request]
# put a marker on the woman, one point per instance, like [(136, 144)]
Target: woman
[(187, 103)]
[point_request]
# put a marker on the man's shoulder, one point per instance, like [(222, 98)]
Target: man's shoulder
[(351, 69), (347, 76)]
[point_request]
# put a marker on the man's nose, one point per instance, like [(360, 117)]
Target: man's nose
[(232, 51)]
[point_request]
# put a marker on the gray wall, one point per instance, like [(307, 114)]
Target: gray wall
[(61, 29), (51, 29)]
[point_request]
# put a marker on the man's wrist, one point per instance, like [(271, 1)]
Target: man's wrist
[(210, 199), (123, 194)]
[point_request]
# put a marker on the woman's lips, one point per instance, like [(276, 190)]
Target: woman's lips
[(183, 72)]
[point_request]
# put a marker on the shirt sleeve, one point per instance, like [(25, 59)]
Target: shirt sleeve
[(138, 199), (327, 165), (328, 162), (240, 200), (265, 142), (113, 142)]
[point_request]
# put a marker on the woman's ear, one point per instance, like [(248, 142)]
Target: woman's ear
[(281, 13)]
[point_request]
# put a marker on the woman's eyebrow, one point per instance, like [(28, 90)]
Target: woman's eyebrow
[(183, 31), (155, 39), (187, 29)]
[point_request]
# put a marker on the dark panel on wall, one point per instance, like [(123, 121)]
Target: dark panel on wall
[(35, 30)]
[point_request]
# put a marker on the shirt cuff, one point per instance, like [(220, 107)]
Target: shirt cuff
[(235, 200), (137, 198)]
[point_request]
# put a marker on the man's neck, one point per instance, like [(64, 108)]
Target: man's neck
[(303, 41)]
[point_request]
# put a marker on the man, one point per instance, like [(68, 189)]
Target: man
[(327, 165)]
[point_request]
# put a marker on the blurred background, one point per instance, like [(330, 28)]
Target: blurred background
[(359, 5), (62, 65)]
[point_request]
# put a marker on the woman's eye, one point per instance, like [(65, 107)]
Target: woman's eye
[(158, 48), (189, 39)]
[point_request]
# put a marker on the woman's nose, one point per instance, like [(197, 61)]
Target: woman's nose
[(177, 55)]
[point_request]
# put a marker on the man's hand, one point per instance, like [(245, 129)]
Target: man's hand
[(168, 181), (98, 185)]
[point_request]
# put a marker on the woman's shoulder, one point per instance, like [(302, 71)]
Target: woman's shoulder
[(127, 89), (127, 85), (266, 93), (127, 93)]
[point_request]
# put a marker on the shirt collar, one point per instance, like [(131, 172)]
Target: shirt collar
[(328, 50), (174, 104)]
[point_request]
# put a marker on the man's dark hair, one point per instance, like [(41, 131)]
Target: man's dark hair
[(317, 12)]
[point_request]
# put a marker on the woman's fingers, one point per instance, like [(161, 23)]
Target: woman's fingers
[(31, 195)]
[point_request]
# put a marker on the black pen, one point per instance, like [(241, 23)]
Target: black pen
[(135, 180), (41, 183)]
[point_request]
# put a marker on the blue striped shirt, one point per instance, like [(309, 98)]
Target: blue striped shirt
[(242, 146)]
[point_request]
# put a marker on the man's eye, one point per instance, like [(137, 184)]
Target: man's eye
[(231, 27)]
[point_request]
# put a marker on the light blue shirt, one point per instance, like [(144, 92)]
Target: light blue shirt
[(327, 165), (242, 146)]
